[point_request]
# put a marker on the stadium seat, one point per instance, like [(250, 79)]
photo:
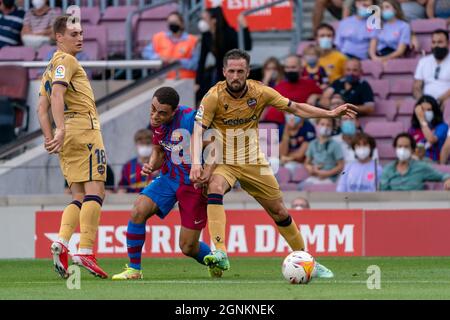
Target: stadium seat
[(151, 22), (114, 20), (427, 26), (386, 109), (380, 88), (300, 174), (283, 175), (289, 186), (97, 34), (371, 69), (15, 87), (384, 129), (90, 15), (329, 187), (17, 53), (386, 151), (399, 68), (405, 111), (401, 88), (302, 45)]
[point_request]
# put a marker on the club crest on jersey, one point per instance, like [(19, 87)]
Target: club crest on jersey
[(251, 102), (60, 72)]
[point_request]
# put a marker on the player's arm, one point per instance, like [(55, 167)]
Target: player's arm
[(304, 110), (44, 118), (203, 119), (155, 162), (57, 103)]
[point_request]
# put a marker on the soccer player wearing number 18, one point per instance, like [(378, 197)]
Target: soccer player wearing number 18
[(65, 89), (233, 108)]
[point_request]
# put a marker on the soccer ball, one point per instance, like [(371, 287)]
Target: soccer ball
[(297, 267)]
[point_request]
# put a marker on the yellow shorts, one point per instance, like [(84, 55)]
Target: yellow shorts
[(257, 179), (83, 156)]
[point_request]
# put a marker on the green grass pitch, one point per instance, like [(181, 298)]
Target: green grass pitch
[(248, 278)]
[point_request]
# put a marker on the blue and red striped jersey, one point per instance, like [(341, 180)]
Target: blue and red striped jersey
[(174, 138)]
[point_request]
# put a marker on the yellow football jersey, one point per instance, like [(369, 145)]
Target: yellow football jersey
[(79, 103), (236, 119)]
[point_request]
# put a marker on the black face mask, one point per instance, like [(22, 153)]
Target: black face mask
[(174, 27), (440, 52), (292, 76)]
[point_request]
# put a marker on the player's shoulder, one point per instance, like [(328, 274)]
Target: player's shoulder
[(186, 110), (65, 58)]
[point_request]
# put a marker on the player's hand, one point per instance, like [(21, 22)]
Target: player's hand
[(346, 109), (55, 145), (196, 172), (147, 169)]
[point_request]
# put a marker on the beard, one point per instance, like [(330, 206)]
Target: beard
[(235, 89)]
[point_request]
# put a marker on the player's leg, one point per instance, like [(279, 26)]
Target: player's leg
[(157, 198), (193, 212), (89, 221), (143, 208), (69, 222)]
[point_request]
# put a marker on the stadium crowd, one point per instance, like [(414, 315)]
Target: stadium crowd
[(339, 65)]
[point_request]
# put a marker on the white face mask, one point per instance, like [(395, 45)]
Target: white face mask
[(38, 4), (429, 115), (203, 26), (324, 131), (144, 150), (362, 153), (403, 154)]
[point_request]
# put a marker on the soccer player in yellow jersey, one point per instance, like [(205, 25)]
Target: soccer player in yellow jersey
[(233, 108), (65, 89)]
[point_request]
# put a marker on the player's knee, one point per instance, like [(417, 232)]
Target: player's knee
[(216, 187), (138, 214), (188, 248), (279, 214)]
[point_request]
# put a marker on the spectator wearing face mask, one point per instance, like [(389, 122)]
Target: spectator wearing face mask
[(352, 89), (173, 45), (393, 39), (432, 75), (37, 25), (11, 23), (273, 72), (353, 36), (330, 59), (363, 174), (407, 174), (300, 203), (132, 181), (324, 158), (294, 88), (297, 134), (428, 128), (311, 69)]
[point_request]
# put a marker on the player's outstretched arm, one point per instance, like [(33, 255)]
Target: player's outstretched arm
[(155, 162), (57, 103), (44, 118), (305, 110), (196, 152)]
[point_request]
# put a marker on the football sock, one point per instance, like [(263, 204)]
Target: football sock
[(203, 251), (217, 220), (135, 241), (289, 230), (69, 222), (89, 220)]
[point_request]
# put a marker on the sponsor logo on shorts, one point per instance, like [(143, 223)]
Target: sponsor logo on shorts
[(101, 169), (60, 72)]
